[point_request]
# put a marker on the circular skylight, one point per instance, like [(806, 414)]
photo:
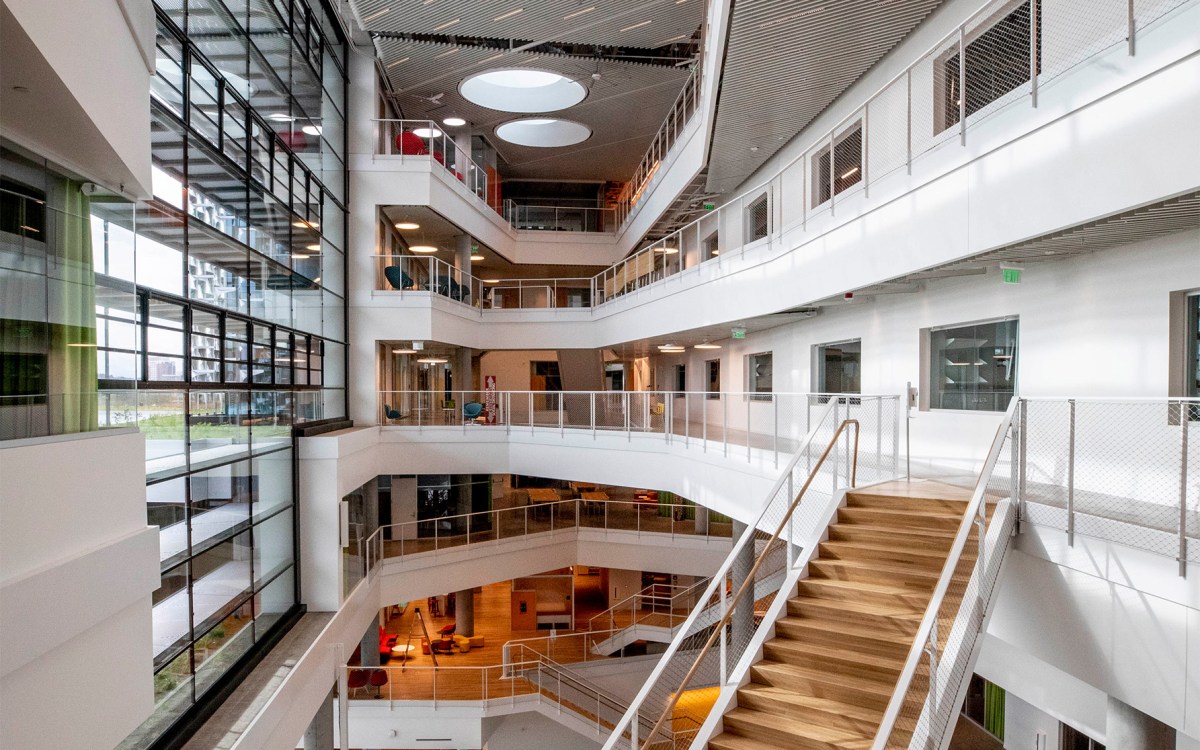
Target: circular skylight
[(522, 90), (544, 132)]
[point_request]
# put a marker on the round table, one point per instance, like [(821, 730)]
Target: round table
[(402, 651)]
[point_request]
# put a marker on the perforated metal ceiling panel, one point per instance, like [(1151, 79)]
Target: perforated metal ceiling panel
[(613, 23), (624, 108), (786, 61)]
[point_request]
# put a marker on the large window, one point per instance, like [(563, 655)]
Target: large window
[(839, 367), (679, 373), (845, 171), (759, 373), (998, 61), (973, 367)]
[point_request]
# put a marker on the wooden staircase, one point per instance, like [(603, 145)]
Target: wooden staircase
[(828, 673)]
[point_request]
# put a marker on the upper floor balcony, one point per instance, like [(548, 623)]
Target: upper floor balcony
[(944, 162)]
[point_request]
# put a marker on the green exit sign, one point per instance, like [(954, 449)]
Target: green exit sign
[(1011, 275), (739, 333), (709, 206)]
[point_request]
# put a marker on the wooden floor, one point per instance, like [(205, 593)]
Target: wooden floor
[(829, 672)]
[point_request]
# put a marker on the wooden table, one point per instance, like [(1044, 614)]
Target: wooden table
[(538, 495), (592, 500)]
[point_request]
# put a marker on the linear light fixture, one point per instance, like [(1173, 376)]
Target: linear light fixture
[(407, 225), (637, 25), (707, 345), (398, 62), (373, 16), (509, 14), (423, 248), (849, 172), (433, 361), (446, 25), (577, 13)]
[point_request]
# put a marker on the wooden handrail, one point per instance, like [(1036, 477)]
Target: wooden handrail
[(748, 584)]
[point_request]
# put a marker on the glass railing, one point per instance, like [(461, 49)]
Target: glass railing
[(730, 424), (414, 273), (425, 140), (560, 218), (45, 414)]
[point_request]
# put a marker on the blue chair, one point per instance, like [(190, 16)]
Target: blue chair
[(398, 278), (390, 413), (472, 410)]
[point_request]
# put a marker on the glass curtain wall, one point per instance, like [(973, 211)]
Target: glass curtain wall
[(236, 328)]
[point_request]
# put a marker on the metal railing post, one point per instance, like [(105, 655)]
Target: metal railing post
[(1132, 29), (625, 408), (1071, 478), (962, 85), (1034, 33), (592, 406), (748, 433), (531, 412), (1183, 473), (866, 152), (724, 426), (1024, 433), (775, 431), (561, 430)]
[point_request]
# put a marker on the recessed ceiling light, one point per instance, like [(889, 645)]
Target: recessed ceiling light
[(491, 281), (522, 90), (426, 132), (314, 248), (454, 122), (476, 256), (432, 361), (588, 9), (707, 345), (404, 351), (666, 250), (423, 248), (407, 225), (311, 129), (373, 16), (398, 62), (754, 148), (306, 224), (544, 132), (447, 53), (446, 25), (509, 14), (280, 117), (298, 256)]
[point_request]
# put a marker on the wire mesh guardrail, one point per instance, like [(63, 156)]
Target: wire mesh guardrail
[(1125, 471), (679, 694), (658, 605), (928, 693)]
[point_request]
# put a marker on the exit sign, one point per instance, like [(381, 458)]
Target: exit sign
[(739, 333), (1011, 275), (709, 206)]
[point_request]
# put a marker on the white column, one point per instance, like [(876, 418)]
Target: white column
[(1130, 729)]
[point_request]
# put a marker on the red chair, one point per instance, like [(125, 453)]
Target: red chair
[(448, 629), (442, 647), (411, 144), (356, 680), (378, 679)]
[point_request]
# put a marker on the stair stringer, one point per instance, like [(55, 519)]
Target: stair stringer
[(739, 676)]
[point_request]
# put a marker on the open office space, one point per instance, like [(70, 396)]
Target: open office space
[(599, 374)]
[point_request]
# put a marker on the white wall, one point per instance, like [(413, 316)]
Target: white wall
[(512, 368), (77, 568), (87, 75), (525, 731)]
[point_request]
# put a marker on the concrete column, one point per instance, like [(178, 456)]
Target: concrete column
[(1130, 729), (464, 612), (742, 623), (464, 378), (369, 646), (462, 252), (319, 735), (701, 519)]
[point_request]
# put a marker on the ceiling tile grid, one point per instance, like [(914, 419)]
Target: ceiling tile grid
[(786, 62)]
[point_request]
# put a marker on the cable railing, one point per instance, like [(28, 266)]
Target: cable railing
[(731, 424), (932, 682), (568, 648), (703, 657), (560, 218), (426, 140), (681, 112)]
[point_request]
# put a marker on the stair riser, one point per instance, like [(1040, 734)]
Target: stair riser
[(924, 559), (838, 664), (821, 689), (917, 600), (897, 537), (920, 580), (877, 517), (774, 736), (758, 702), (867, 500), (822, 637), (829, 611)]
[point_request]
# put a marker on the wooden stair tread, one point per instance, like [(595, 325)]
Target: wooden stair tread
[(905, 533), (782, 671), (891, 663), (736, 742), (837, 585), (849, 629), (871, 510), (811, 701), (837, 545), (785, 728), (878, 566)]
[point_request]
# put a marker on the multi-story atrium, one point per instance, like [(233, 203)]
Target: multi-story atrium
[(599, 375)]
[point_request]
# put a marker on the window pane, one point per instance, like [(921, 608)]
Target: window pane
[(272, 482), (220, 503), (272, 547), (759, 373), (166, 508), (220, 579), (273, 602), (973, 367), (221, 646)]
